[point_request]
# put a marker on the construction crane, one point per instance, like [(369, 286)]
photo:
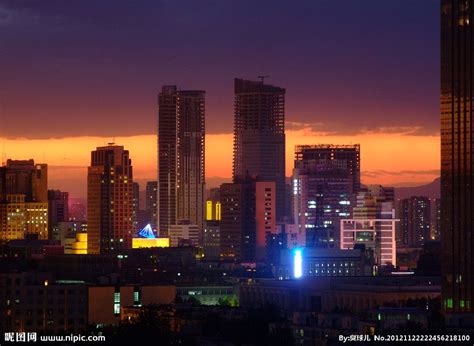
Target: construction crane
[(263, 78)]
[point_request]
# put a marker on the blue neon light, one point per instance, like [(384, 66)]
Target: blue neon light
[(298, 264), (147, 232)]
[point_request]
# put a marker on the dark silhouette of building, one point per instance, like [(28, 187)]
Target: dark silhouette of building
[(23, 200), (180, 157), (415, 220), (436, 219), (58, 210), (109, 200), (136, 206), (259, 135), (151, 195), (26, 178), (248, 215), (457, 189)]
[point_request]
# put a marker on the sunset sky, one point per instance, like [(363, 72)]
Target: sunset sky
[(76, 74)]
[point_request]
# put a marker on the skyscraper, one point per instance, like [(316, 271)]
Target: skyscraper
[(248, 216), (237, 231), (136, 206), (436, 219), (325, 179), (180, 157), (109, 200), (58, 211), (259, 135), (151, 195), (415, 220), (211, 234), (457, 189)]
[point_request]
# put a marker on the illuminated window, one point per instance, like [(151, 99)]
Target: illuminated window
[(117, 303), (209, 210), (218, 211)]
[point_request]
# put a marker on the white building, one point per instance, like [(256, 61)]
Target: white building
[(374, 226), (183, 232)]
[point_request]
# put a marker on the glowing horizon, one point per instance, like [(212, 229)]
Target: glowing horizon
[(386, 158)]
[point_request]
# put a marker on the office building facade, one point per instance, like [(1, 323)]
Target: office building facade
[(259, 135), (325, 180), (58, 210), (457, 190), (373, 225), (109, 200), (181, 178), (151, 205), (23, 200), (415, 220)]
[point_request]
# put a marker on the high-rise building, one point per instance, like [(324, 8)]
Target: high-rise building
[(325, 180), (457, 189), (212, 239), (237, 224), (213, 205), (436, 219), (211, 234), (259, 135), (151, 195), (58, 210), (23, 200), (415, 220), (136, 206), (180, 157), (248, 216), (372, 224), (109, 200)]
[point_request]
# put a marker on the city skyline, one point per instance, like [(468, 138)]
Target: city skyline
[(236, 172), (386, 108)]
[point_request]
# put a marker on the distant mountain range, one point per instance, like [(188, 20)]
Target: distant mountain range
[(431, 190)]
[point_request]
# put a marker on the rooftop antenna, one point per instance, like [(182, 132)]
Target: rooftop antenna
[(113, 141), (263, 78)]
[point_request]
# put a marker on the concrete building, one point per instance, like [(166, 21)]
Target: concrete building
[(34, 302), (415, 220), (151, 204), (323, 262), (106, 303), (248, 215), (259, 135), (58, 210), (212, 240), (135, 206), (23, 200), (184, 232), (373, 225), (326, 294), (109, 200), (325, 179), (181, 179)]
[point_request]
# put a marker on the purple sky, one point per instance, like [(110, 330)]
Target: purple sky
[(76, 67)]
